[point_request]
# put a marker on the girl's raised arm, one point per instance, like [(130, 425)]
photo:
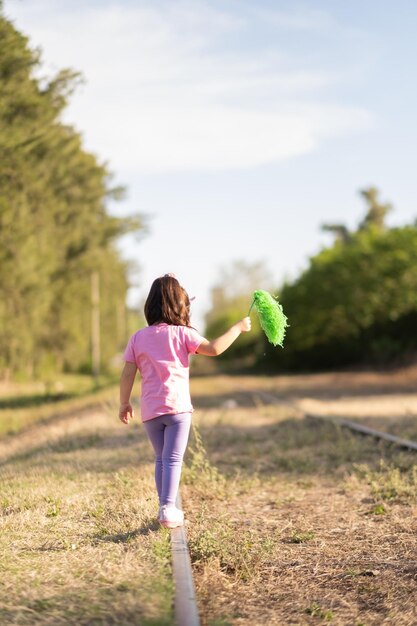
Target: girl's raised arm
[(219, 345)]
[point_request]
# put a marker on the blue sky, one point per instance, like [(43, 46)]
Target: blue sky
[(239, 127)]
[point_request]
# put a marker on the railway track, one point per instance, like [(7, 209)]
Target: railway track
[(365, 430), (185, 605), (270, 398)]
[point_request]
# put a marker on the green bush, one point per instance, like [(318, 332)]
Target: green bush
[(356, 303)]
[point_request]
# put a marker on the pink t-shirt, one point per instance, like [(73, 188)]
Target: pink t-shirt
[(161, 354)]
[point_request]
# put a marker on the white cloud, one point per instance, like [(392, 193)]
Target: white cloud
[(165, 91)]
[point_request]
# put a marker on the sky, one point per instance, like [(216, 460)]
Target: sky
[(238, 127)]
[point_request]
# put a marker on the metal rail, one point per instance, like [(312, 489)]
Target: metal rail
[(365, 430), (185, 605)]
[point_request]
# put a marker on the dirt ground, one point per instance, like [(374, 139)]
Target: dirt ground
[(297, 521), (386, 401), (291, 520)]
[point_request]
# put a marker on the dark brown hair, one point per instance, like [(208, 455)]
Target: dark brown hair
[(167, 302)]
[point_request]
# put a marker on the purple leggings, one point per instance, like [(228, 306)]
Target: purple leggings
[(168, 435)]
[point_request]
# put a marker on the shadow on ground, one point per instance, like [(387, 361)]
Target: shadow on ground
[(145, 529), (248, 390), (126, 448), (298, 446)]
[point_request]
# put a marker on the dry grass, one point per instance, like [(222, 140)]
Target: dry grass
[(295, 521), (385, 401), (78, 539), (292, 521), (25, 404)]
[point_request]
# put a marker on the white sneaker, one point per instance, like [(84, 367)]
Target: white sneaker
[(170, 516)]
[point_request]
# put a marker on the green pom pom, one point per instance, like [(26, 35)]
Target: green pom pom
[(271, 316)]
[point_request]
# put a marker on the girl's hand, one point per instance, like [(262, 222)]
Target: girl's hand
[(126, 413), (245, 325)]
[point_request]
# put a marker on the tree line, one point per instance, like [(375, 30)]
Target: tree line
[(355, 304), (55, 228)]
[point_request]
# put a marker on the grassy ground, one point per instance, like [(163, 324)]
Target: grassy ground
[(23, 404), (78, 539), (385, 401), (293, 521)]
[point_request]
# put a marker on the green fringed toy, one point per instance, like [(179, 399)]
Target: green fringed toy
[(271, 316)]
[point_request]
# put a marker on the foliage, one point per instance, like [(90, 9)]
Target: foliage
[(357, 300), (389, 483), (55, 229)]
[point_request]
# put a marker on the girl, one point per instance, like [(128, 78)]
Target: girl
[(160, 352)]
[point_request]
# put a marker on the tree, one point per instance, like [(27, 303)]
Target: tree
[(374, 218), (55, 228), (339, 230), (355, 300)]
